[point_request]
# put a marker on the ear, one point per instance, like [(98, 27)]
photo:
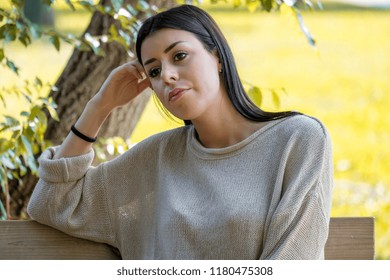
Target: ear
[(216, 54)]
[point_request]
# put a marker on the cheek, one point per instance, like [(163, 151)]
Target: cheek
[(158, 89), (210, 80), (154, 85)]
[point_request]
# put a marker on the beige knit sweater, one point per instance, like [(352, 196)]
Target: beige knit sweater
[(168, 197)]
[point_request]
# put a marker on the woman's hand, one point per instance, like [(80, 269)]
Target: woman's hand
[(122, 85)]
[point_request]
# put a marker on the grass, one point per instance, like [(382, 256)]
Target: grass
[(343, 82)]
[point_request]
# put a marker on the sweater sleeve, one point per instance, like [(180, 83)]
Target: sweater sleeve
[(298, 221), (71, 196)]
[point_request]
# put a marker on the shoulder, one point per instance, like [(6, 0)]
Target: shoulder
[(306, 123), (303, 127), (300, 134)]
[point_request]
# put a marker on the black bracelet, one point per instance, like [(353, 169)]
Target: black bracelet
[(82, 136)]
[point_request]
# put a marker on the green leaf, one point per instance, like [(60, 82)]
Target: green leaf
[(24, 114), (9, 32), (6, 145), (53, 113), (20, 26), (6, 161), (70, 5), (16, 134), (42, 122), (126, 37), (38, 82), (94, 44), (31, 162), (35, 31), (15, 174), (12, 66), (55, 40), (27, 145), (3, 101), (2, 208), (3, 177), (47, 2), (117, 4), (87, 4), (107, 10), (26, 96), (275, 99), (2, 32), (252, 5), (83, 46), (29, 132), (303, 27), (131, 10), (34, 112), (142, 5), (1, 54), (112, 31), (11, 121), (236, 3), (23, 170), (18, 3), (25, 39), (267, 5), (256, 95)]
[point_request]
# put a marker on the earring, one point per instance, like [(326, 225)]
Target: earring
[(220, 70)]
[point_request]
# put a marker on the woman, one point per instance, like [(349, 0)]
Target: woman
[(234, 183)]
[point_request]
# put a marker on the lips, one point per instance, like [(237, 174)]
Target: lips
[(175, 94)]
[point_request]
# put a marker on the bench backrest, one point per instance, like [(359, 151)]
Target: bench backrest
[(349, 238)]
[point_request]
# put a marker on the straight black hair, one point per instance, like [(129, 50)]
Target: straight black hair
[(195, 20)]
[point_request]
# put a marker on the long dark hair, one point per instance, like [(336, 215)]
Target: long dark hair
[(201, 24)]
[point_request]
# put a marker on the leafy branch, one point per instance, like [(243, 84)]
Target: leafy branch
[(17, 27), (23, 138)]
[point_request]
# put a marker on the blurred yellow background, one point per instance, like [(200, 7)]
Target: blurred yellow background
[(344, 82)]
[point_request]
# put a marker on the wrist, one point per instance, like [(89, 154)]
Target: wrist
[(91, 119), (82, 136), (100, 109)]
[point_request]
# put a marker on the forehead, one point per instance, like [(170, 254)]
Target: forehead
[(158, 41)]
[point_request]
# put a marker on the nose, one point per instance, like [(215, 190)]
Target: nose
[(169, 74)]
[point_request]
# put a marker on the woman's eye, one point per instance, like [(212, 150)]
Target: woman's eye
[(154, 72), (180, 56)]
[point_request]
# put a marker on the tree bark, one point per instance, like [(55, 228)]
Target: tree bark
[(81, 79)]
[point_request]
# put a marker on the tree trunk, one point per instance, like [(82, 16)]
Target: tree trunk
[(81, 79)]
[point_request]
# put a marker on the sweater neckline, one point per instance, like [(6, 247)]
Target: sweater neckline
[(218, 153)]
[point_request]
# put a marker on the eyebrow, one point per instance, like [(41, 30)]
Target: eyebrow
[(171, 46)]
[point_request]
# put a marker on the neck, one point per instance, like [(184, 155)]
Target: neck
[(224, 127)]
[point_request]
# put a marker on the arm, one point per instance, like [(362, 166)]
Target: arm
[(71, 195), (123, 85), (297, 224)]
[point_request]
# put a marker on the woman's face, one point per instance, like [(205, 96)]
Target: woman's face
[(184, 75)]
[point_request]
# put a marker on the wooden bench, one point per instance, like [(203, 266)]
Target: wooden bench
[(349, 239)]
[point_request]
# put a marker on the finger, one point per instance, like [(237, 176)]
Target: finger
[(142, 85), (141, 71), (136, 68)]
